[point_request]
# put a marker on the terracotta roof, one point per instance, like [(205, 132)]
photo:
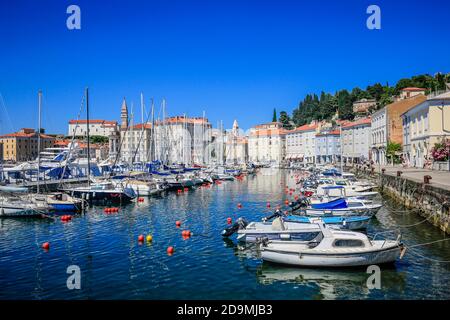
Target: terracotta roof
[(105, 122), (139, 126), (362, 121), (413, 89), (306, 127), (25, 135), (269, 132)]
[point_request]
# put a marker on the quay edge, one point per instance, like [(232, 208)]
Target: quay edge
[(427, 200)]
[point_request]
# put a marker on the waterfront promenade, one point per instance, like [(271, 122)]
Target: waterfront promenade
[(438, 178)]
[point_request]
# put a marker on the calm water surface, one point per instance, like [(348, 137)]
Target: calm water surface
[(115, 266)]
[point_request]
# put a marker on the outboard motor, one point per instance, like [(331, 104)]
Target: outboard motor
[(240, 223), (302, 202), (276, 214)]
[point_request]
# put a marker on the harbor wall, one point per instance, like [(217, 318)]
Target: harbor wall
[(430, 202)]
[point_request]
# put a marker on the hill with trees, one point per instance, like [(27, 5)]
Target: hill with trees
[(327, 105)]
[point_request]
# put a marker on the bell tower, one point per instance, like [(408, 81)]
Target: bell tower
[(124, 115)]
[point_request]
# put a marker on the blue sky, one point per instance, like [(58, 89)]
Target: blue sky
[(234, 59)]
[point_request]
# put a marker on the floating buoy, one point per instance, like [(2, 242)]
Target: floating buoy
[(140, 199), (239, 205), (178, 223), (170, 250), (268, 205), (186, 189), (229, 220), (296, 197), (141, 238), (46, 245), (286, 202), (149, 238)]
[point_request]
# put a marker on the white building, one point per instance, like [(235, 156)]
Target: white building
[(379, 136), (425, 125), (236, 146), (102, 128), (300, 143), (266, 143), (356, 140)]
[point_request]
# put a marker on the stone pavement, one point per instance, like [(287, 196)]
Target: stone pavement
[(438, 178)]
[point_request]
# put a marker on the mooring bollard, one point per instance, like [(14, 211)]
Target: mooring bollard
[(383, 170), (426, 179), (399, 173)]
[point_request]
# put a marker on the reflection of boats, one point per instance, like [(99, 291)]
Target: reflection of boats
[(332, 248), (332, 283)]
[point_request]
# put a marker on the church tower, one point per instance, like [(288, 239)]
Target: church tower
[(235, 130), (124, 115)]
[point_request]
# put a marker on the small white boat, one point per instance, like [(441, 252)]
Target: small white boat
[(332, 248), (354, 208), (18, 207), (278, 229)]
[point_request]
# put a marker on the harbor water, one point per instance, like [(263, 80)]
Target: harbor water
[(114, 265)]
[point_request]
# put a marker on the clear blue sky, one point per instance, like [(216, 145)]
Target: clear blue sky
[(234, 59)]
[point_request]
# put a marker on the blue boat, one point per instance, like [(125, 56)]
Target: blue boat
[(338, 203)]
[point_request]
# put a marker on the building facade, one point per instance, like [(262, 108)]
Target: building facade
[(356, 140), (328, 146), (23, 145), (102, 128), (266, 143), (379, 136), (300, 143), (424, 125), (236, 146)]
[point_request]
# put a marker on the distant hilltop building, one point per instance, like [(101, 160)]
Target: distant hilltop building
[(23, 145), (410, 92), (363, 106)]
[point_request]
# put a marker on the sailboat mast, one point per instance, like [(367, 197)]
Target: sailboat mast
[(152, 149), (142, 130), (39, 139), (88, 138)]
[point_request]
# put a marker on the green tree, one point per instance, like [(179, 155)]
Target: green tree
[(274, 117), (285, 120), (393, 151)]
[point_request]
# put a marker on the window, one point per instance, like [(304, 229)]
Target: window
[(348, 243)]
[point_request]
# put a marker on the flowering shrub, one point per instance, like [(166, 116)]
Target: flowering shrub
[(441, 151)]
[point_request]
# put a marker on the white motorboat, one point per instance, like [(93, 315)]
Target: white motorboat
[(354, 208), (11, 206), (345, 191), (332, 248), (277, 229)]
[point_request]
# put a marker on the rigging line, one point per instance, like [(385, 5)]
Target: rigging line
[(140, 139), (72, 140), (427, 243), (6, 112), (414, 252)]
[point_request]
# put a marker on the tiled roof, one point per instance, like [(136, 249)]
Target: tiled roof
[(362, 121), (25, 135), (306, 127), (413, 89)]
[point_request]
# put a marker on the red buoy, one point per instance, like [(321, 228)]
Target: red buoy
[(170, 250), (178, 223), (239, 205), (268, 205), (141, 238), (286, 202), (46, 245), (229, 220)]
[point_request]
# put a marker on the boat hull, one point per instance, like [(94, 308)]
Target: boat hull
[(304, 259)]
